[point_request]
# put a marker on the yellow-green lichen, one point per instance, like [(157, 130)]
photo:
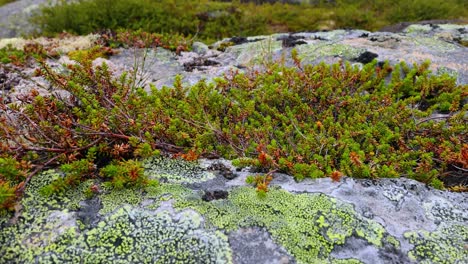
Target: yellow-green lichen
[(128, 235), (113, 198), (445, 245), (309, 226), (175, 170), (320, 50)]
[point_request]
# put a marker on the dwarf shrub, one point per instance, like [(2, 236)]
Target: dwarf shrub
[(213, 20), (306, 120)]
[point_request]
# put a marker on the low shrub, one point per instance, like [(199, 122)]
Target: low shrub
[(4, 2), (309, 121), (212, 20)]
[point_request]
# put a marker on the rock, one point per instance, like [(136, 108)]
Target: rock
[(291, 41), (384, 221), (366, 57), (200, 48), (214, 195), (221, 169)]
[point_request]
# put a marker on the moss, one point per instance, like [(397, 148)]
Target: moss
[(445, 245)]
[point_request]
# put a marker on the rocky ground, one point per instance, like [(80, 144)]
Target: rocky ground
[(205, 213)]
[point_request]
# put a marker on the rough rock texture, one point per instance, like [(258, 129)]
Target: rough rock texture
[(315, 221), (14, 17), (441, 44)]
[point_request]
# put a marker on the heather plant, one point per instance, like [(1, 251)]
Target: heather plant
[(307, 120)]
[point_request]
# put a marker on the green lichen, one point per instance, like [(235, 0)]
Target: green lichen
[(114, 198), (176, 226), (309, 226), (320, 50), (44, 221), (445, 245), (417, 29), (443, 210), (175, 170), (346, 261), (51, 233), (255, 52), (434, 44)]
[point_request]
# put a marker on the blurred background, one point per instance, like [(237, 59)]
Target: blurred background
[(209, 20)]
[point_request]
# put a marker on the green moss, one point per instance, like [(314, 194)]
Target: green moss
[(214, 20)]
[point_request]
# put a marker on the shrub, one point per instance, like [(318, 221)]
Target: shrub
[(309, 121), (4, 2), (213, 20)]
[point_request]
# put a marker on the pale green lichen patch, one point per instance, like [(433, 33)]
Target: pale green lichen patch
[(445, 245), (443, 210), (309, 226), (44, 220), (140, 236), (113, 199), (434, 44), (170, 223), (127, 235), (255, 52), (315, 51), (175, 170), (417, 29)]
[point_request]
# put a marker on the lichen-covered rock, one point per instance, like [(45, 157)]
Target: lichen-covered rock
[(444, 45), (315, 221)]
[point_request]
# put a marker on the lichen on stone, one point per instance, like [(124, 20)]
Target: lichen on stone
[(113, 199), (175, 170), (307, 225), (320, 50), (126, 234), (445, 245)]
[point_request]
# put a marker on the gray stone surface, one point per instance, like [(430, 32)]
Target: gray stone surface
[(14, 17)]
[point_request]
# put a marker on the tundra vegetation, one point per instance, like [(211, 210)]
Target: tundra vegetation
[(305, 120), (208, 20)]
